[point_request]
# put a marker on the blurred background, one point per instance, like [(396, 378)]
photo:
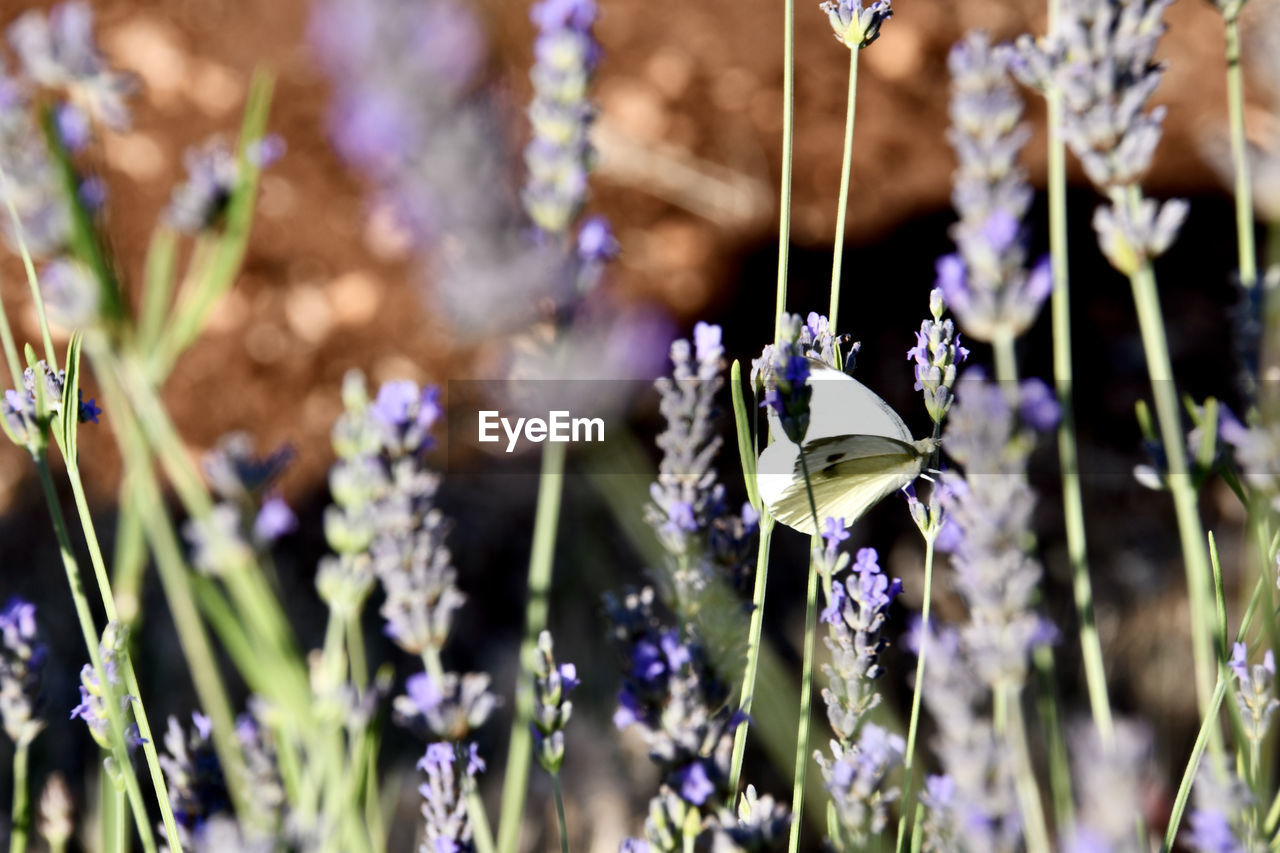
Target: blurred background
[(689, 138)]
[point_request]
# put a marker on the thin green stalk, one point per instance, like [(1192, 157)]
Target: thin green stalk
[(10, 349), (172, 571), (120, 839), (373, 794), (1185, 503), (541, 556), (806, 700), (355, 652), (480, 832), (754, 639), (50, 355), (127, 670), (788, 128), (1036, 832), (20, 817), (90, 634), (1240, 157), (846, 163), (913, 725), (806, 673), (1068, 455), (564, 828), (1207, 725)]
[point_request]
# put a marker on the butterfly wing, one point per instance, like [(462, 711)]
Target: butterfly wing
[(849, 474), (841, 405)]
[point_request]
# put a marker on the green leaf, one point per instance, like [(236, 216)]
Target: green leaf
[(70, 426), (162, 256), (746, 445)]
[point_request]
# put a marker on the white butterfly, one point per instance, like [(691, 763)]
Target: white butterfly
[(857, 449)]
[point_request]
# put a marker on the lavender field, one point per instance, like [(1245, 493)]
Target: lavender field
[(619, 427)]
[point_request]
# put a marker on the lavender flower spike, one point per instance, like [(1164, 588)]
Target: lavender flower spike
[(451, 772), (1255, 691), (987, 284), (857, 27), (551, 688), (560, 154), (1222, 820), (782, 373), (937, 354), (22, 660), (1109, 781)]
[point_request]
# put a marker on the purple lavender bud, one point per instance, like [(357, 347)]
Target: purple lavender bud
[(992, 505), (855, 26), (695, 786), (444, 794), (560, 154), (452, 708), (671, 694), (22, 660), (596, 243), (937, 354), (1102, 59), (855, 777), (782, 374), (1110, 779), (94, 695), (1222, 820), (552, 684), (58, 51), (237, 474), (197, 789), (1037, 405), (73, 126), (213, 173), (987, 284), (834, 532), (1255, 691), (1131, 237), (700, 533), (275, 519)]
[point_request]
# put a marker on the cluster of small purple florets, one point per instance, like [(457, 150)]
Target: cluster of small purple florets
[(862, 754), (986, 283), (688, 511), (22, 417), (22, 660), (782, 374)]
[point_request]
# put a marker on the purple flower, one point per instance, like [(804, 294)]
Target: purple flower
[(22, 661), (559, 154), (987, 284), (695, 786), (424, 692), (856, 26), (937, 354), (782, 373), (1037, 405), (833, 612), (596, 243), (552, 685), (274, 520)]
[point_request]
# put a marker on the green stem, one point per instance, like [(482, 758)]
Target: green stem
[(754, 639), (172, 571), (846, 163), (1240, 157), (1037, 835), (917, 691), (564, 828), (50, 355), (806, 699), (1068, 454), (541, 557), (120, 839), (1207, 725), (1190, 530), (10, 349), (89, 632), (20, 817), (788, 128)]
